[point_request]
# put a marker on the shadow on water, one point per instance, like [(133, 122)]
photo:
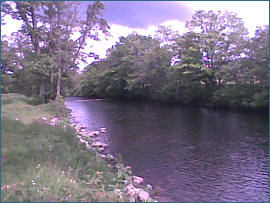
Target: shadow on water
[(189, 154)]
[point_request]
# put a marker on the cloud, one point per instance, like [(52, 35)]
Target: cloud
[(142, 14), (254, 13)]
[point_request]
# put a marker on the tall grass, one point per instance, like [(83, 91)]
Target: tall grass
[(45, 163)]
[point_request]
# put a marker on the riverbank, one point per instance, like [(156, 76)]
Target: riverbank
[(43, 159)]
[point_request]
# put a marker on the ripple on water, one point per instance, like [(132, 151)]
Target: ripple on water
[(188, 154)]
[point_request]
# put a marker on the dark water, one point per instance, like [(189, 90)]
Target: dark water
[(190, 154)]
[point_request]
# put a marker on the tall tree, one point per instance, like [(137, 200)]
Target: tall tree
[(51, 27), (221, 37)]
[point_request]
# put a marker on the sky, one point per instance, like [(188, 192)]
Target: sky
[(143, 17)]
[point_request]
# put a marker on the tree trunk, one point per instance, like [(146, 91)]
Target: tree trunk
[(58, 91), (59, 80), (51, 44), (42, 92)]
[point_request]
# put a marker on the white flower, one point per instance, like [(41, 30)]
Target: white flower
[(33, 182)]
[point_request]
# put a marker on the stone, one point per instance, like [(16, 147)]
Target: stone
[(143, 195), (137, 193), (103, 130), (82, 130), (54, 121), (137, 179), (101, 149), (83, 127), (94, 133), (87, 145), (118, 192), (44, 118), (109, 157), (149, 186), (90, 134), (99, 144), (131, 190)]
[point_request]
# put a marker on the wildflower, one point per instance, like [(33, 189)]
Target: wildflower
[(33, 182)]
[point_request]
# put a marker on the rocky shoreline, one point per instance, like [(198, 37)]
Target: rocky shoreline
[(133, 184)]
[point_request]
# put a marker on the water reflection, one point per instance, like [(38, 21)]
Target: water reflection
[(191, 154)]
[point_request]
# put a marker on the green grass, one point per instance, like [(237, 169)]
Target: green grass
[(45, 163)]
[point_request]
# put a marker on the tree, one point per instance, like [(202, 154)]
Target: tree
[(50, 27), (222, 38)]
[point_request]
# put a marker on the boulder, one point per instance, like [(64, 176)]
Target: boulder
[(137, 193), (131, 190), (143, 195), (137, 179)]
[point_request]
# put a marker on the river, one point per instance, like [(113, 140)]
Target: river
[(189, 154)]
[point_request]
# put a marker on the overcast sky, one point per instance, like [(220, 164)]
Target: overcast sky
[(143, 17)]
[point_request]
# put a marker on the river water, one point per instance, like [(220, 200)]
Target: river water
[(189, 154)]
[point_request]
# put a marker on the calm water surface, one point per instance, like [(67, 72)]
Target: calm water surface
[(189, 154)]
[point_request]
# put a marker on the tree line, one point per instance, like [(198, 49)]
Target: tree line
[(215, 63)]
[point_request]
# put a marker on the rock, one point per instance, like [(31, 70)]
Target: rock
[(109, 157), (101, 149), (118, 193), (16, 119), (103, 130), (44, 118), (131, 190), (82, 130), (87, 145), (90, 134), (137, 179), (99, 144), (128, 167), (82, 140), (83, 127), (54, 121), (143, 195), (103, 156), (137, 193), (149, 186), (94, 133)]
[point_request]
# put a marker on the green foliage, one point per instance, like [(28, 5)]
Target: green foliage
[(207, 65), (45, 163), (44, 53), (214, 64)]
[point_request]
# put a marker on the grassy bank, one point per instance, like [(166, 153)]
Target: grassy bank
[(41, 162)]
